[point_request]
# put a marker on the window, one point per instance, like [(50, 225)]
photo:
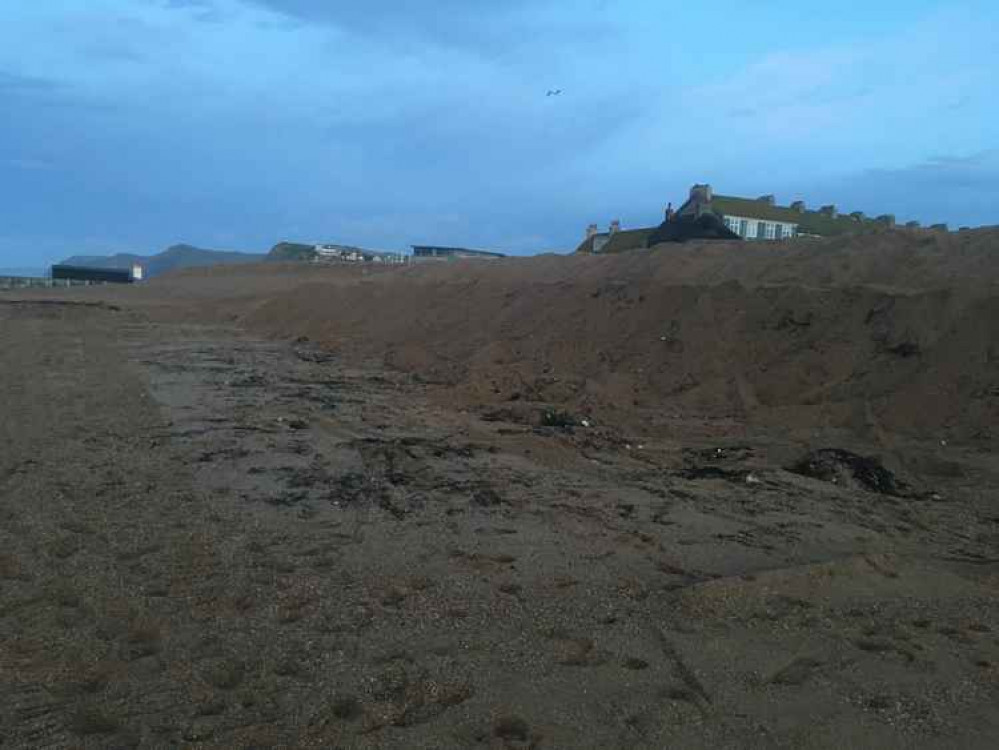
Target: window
[(761, 230), (744, 228), (779, 232)]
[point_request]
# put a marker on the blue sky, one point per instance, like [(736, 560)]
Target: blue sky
[(130, 125)]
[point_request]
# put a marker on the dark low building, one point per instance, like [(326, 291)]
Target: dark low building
[(685, 227), (434, 251), (709, 216), (678, 227), (615, 240), (95, 275)]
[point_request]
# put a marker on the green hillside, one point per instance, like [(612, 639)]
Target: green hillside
[(291, 251)]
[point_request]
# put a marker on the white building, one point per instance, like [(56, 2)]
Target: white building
[(759, 219), (762, 219), (350, 254), (752, 228)]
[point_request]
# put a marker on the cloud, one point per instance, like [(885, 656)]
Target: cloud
[(22, 94), (959, 189), (386, 122), (980, 159), (444, 19), (814, 111), (198, 4), (32, 165), (19, 84), (203, 11), (977, 172), (484, 28), (116, 50)]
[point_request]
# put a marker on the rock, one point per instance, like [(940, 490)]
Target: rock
[(849, 470), (511, 728), (199, 730), (557, 418)]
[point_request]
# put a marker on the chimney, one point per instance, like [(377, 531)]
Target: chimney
[(829, 211), (798, 206), (615, 226), (768, 199), (701, 193), (591, 231)]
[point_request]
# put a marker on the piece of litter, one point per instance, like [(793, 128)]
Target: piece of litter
[(585, 422), (752, 479)]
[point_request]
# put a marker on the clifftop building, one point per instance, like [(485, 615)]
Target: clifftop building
[(96, 275), (615, 240), (424, 252), (762, 219), (746, 218), (351, 254)]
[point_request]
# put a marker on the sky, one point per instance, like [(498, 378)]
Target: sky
[(131, 125)]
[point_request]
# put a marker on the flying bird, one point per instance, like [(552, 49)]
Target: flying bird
[(554, 92)]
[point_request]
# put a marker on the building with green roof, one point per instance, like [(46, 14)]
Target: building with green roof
[(762, 219), (749, 218), (616, 240)]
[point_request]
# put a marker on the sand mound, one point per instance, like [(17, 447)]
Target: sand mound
[(897, 331)]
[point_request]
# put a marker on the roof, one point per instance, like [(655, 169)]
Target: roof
[(754, 209), (456, 251), (627, 239), (618, 242), (91, 269), (809, 222), (61, 271), (708, 226), (586, 246), (343, 248), (813, 222)]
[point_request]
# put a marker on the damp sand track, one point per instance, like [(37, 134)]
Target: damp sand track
[(214, 534)]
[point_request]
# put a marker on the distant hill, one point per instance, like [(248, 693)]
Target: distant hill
[(285, 251), (171, 259)]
